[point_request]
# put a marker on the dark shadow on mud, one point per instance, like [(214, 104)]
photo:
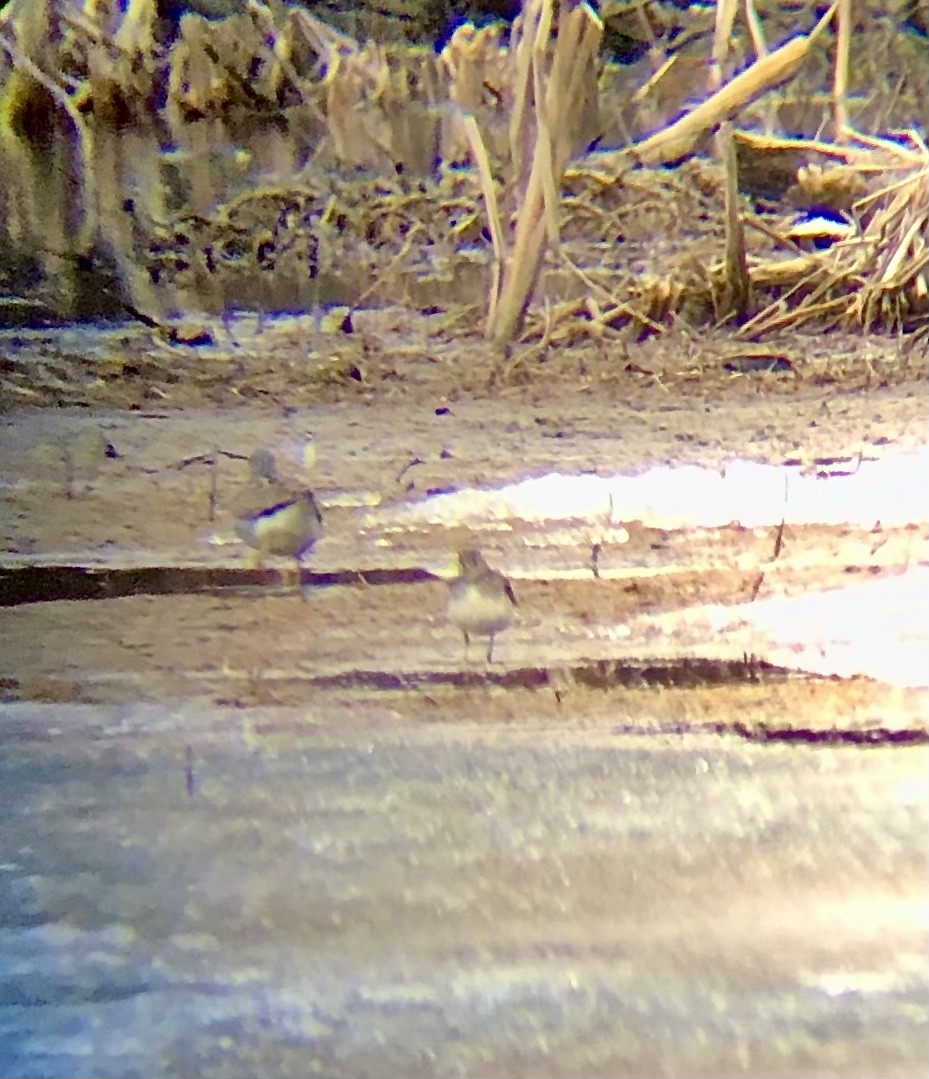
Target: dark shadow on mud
[(49, 584)]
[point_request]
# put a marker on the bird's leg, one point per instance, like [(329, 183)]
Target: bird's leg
[(288, 577), (490, 648), (299, 579), (467, 641)]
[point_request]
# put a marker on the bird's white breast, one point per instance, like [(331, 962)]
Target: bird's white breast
[(478, 612)]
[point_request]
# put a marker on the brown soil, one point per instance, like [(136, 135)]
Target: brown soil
[(422, 416)]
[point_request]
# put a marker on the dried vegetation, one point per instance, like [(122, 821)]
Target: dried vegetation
[(268, 161)]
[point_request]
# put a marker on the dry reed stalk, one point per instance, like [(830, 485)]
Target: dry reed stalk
[(378, 99), (722, 31), (476, 69), (492, 209), (737, 294), (840, 72), (775, 143), (679, 139), (617, 308), (754, 29), (548, 106)]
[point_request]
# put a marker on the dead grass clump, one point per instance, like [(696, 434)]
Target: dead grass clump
[(267, 160), (874, 275)]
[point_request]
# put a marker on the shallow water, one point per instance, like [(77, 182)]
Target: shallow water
[(227, 892)]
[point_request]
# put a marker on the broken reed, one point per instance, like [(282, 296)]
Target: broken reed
[(91, 160)]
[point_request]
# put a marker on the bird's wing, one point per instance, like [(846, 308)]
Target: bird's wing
[(510, 594), (260, 499), (314, 505)]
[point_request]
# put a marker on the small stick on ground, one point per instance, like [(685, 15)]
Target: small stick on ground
[(214, 485)]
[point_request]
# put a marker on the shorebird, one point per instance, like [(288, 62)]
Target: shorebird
[(481, 601), (273, 517)]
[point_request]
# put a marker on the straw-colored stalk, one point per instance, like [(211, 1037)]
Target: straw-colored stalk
[(737, 288), (548, 110), (840, 74), (679, 139), (722, 31), (379, 100), (492, 209), (754, 28), (738, 284), (473, 63)]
